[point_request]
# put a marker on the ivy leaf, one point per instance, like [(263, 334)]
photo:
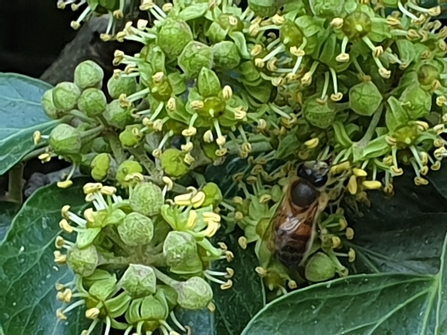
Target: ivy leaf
[(404, 233), (236, 306), (21, 115), (7, 212), (374, 304), (28, 296)]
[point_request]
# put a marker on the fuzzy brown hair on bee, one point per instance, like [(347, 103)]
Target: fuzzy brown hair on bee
[(293, 226)]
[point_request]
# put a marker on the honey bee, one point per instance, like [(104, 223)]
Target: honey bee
[(293, 227)]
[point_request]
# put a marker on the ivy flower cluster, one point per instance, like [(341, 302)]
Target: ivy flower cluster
[(137, 259), (360, 84)]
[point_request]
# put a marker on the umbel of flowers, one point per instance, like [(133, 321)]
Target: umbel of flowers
[(361, 84), (123, 248)]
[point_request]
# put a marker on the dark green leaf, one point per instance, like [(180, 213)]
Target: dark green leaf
[(7, 212), (201, 322), (404, 233), (236, 306), (27, 272), (21, 115)]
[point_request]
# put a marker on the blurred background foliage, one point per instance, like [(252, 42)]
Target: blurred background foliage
[(32, 34)]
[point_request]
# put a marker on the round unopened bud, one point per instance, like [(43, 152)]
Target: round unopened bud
[(226, 55), (83, 261), (88, 74), (92, 102), (65, 96), (194, 294), (116, 116), (147, 199), (173, 36), (100, 166), (173, 164), (136, 229), (118, 85), (180, 249), (213, 195), (130, 136), (194, 57), (320, 268), (65, 140), (139, 280), (153, 310), (125, 169), (48, 105)]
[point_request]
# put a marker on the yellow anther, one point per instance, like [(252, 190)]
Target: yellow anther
[(352, 185), (92, 313), (192, 219), (211, 216), (372, 184), (59, 259), (92, 187), (359, 172), (60, 242), (37, 137), (169, 183), (64, 212), (108, 190), (312, 143), (212, 229), (344, 166), (65, 226), (336, 242), (351, 255), (198, 199), (343, 224), (243, 242), (261, 271), (227, 285), (60, 315), (65, 183), (419, 181), (349, 233)]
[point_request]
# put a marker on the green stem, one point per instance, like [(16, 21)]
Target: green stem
[(140, 154), (117, 149), (158, 260), (200, 178), (265, 146), (165, 278), (15, 186), (177, 188), (371, 128), (91, 134), (33, 154)]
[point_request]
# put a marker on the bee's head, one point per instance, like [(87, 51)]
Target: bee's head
[(315, 172)]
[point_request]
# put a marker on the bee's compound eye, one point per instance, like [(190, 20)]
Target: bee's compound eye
[(303, 195), (320, 181), (304, 172)]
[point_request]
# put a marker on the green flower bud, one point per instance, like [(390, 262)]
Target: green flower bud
[(194, 294), (216, 33), (194, 57), (320, 268), (100, 145), (357, 25), (100, 166), (263, 8), (365, 98), (139, 281), (130, 136), (173, 36), (92, 102), (427, 73), (180, 249), (49, 107), (318, 113), (417, 102), (118, 85), (136, 230), (88, 74), (147, 199), (102, 289), (116, 116), (153, 309), (65, 140), (290, 35), (226, 55), (162, 89), (173, 164), (126, 168), (208, 83), (65, 96), (213, 195), (83, 261)]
